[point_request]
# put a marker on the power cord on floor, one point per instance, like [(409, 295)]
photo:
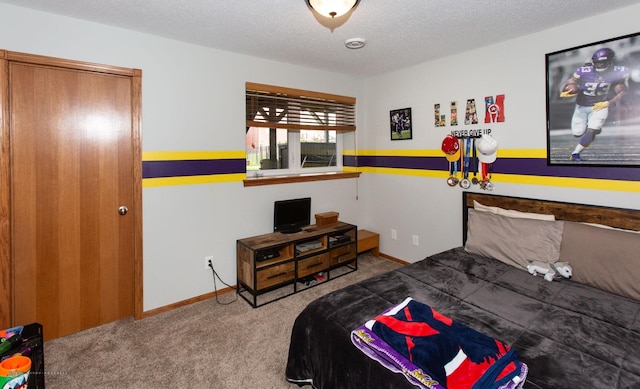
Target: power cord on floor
[(215, 288)]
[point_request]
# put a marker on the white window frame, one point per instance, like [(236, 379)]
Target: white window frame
[(294, 149)]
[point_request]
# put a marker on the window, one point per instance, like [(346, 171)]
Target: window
[(294, 131)]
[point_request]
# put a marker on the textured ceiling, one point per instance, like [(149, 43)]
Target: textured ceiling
[(398, 33)]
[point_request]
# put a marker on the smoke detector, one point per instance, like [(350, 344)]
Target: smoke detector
[(354, 43)]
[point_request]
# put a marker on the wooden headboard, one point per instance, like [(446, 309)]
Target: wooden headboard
[(615, 217)]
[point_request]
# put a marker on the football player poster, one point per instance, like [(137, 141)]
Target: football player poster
[(400, 123), (593, 104)]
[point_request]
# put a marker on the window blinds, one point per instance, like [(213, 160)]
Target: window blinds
[(294, 109)]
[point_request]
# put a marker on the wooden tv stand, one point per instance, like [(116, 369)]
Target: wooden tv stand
[(277, 265)]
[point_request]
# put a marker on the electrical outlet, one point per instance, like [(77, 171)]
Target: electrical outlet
[(415, 240), (208, 262), (394, 234)]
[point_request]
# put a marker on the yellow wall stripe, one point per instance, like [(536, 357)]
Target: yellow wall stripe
[(570, 182), (405, 172), (192, 180), (191, 155), (394, 153), (523, 153), (502, 153)]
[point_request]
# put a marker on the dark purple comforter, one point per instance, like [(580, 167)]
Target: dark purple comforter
[(570, 335)]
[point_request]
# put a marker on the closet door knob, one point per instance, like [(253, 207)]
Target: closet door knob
[(123, 210)]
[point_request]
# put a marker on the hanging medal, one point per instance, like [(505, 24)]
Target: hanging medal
[(475, 161), (483, 175), (450, 180), (489, 186), (465, 183), (453, 180)]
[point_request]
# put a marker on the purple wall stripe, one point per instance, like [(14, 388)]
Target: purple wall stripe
[(157, 169), (399, 162)]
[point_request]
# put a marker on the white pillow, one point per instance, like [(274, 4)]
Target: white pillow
[(511, 213)]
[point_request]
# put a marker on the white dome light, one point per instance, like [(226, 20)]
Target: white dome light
[(332, 8)]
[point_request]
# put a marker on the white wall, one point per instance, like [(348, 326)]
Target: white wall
[(192, 100), (427, 207)]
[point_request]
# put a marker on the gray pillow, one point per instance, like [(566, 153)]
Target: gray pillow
[(513, 241), (605, 258)]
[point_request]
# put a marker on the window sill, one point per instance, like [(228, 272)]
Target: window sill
[(273, 180)]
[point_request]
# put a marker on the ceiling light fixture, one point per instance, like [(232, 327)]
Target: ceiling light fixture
[(332, 8)]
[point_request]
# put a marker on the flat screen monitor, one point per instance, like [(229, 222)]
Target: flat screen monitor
[(290, 216)]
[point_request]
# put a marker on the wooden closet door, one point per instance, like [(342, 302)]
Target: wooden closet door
[(71, 171)]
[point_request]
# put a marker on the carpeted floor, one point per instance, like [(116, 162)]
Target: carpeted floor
[(203, 345)]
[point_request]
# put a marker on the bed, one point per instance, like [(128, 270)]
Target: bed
[(582, 332)]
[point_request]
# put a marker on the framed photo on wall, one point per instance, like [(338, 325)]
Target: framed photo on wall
[(593, 104), (400, 122)]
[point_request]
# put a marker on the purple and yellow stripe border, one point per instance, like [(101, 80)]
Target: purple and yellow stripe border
[(516, 166), (171, 168)]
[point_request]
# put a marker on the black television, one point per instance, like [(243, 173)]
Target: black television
[(290, 216)]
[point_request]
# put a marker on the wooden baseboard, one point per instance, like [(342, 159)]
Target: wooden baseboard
[(394, 259), (186, 302)]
